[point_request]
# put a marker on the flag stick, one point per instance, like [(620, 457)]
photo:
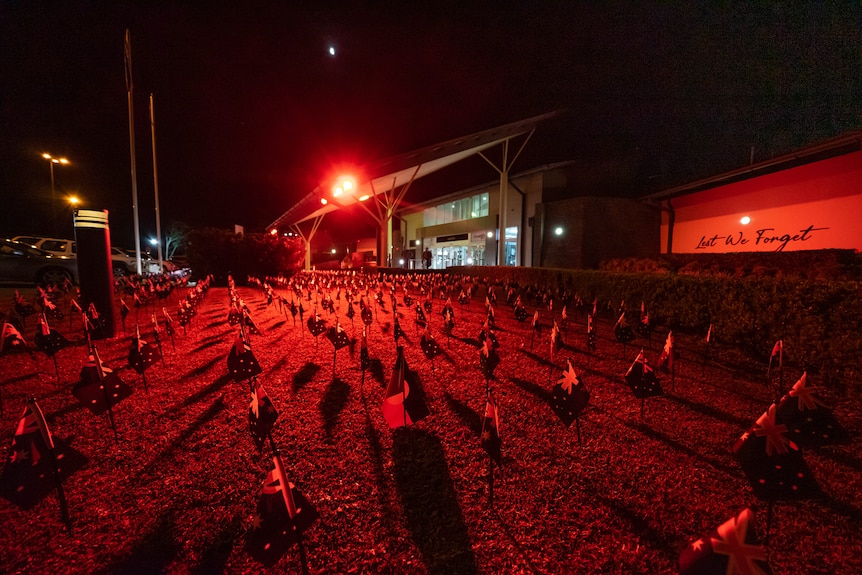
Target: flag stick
[(643, 400), (56, 368), (61, 495), (303, 559), (108, 404), (781, 369), (578, 427)]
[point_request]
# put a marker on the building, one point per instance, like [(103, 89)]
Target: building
[(809, 199), (553, 219)]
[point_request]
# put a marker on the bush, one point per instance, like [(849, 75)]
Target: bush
[(819, 321), (222, 253)]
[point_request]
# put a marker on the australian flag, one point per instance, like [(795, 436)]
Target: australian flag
[(28, 475), (732, 548), (642, 379), (490, 438), (570, 396), (283, 513), (404, 402), (809, 421), (772, 463), (241, 362), (261, 414)]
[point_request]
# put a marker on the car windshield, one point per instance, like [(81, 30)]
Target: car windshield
[(18, 248)]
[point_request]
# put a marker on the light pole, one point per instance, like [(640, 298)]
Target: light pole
[(51, 161)]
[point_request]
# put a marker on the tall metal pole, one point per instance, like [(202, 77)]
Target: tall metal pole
[(156, 184), (53, 197), (504, 206), (129, 92)]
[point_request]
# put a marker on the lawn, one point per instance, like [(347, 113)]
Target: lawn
[(176, 490)]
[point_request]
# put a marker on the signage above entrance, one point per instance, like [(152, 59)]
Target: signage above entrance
[(451, 238)]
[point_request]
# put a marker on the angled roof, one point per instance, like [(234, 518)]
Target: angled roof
[(399, 170)]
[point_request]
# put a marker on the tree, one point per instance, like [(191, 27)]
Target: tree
[(176, 237)]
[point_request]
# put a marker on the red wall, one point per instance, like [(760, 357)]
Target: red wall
[(815, 206)]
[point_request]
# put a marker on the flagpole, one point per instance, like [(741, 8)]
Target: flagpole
[(55, 468), (288, 499), (129, 97), (101, 375), (156, 184)]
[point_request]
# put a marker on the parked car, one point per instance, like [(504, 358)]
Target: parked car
[(20, 263), (121, 261)]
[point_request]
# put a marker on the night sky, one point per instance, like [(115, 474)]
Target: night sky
[(252, 111)]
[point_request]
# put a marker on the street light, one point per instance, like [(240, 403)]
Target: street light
[(51, 161)]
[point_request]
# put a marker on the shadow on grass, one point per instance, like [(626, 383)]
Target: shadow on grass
[(376, 368), (153, 552), (215, 324), (430, 503), (208, 415), (469, 341), (202, 369), (537, 390), (659, 436), (304, 376), (332, 404), (67, 409), (537, 358), (216, 385), (470, 418), (710, 411), (276, 325), (20, 378), (209, 342)]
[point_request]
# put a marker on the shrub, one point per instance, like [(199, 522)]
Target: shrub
[(222, 253)]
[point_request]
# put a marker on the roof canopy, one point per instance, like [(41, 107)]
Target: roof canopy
[(401, 170)]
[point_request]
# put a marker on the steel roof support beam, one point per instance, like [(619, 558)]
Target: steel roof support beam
[(306, 238), (503, 170)]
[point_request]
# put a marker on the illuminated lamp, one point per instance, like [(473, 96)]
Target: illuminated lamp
[(273, 232), (745, 220), (490, 234), (558, 231), (363, 198), (324, 201), (344, 185)]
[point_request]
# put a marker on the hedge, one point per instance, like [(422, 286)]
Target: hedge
[(819, 321)]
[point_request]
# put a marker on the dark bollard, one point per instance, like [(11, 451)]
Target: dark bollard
[(95, 271)]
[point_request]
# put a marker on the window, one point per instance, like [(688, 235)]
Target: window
[(456, 211)]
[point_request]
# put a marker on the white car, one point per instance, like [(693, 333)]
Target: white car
[(122, 262)]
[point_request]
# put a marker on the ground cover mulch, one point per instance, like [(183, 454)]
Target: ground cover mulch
[(176, 491)]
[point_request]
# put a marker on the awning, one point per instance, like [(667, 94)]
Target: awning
[(400, 170)]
